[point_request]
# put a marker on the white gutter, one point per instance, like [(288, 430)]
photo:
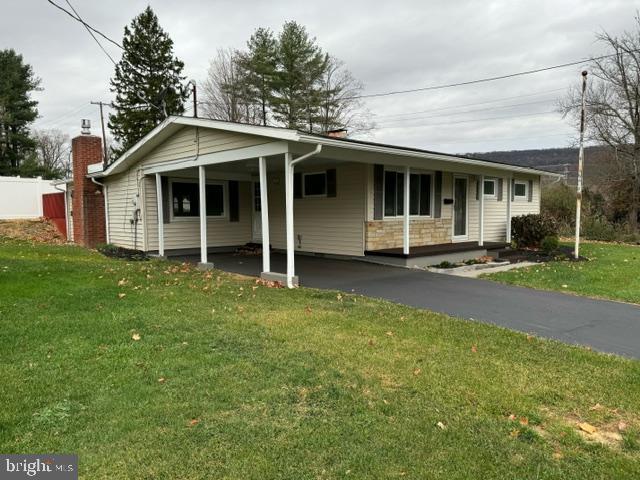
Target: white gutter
[(106, 207), (288, 181)]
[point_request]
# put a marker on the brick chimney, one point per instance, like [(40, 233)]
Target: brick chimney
[(89, 227), (337, 133)]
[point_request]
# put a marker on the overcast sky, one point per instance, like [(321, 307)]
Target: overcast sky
[(387, 45)]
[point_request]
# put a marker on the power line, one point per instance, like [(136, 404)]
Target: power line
[(466, 121), (91, 33), (77, 18), (65, 115), (446, 114), (502, 99), (484, 80), (455, 142)]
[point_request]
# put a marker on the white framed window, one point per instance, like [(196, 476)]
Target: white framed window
[(490, 188), (185, 199), (420, 194), (520, 189), (314, 184)]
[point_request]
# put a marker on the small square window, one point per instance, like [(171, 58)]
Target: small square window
[(490, 188), (315, 184), (520, 189)]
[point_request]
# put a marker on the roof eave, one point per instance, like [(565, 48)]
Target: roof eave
[(427, 155)]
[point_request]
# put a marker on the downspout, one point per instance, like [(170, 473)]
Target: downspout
[(290, 163), (106, 207)]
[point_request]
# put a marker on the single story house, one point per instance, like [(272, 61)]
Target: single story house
[(201, 185)]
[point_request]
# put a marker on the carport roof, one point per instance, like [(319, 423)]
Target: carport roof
[(174, 123)]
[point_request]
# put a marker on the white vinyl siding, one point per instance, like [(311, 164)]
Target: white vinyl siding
[(122, 191), (184, 144), (185, 232), (332, 225), (128, 187)]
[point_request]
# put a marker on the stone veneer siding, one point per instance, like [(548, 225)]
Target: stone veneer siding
[(380, 234)]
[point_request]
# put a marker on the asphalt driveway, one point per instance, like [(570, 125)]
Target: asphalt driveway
[(606, 326)]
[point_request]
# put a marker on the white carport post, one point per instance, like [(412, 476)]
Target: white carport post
[(509, 193), (288, 184), (481, 212), (159, 202), (202, 184), (264, 210), (405, 229)]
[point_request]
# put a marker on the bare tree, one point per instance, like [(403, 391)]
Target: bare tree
[(224, 91), (613, 113), (339, 105), (52, 149)]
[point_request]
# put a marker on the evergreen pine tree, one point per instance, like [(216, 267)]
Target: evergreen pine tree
[(260, 64), (297, 85), (147, 81), (17, 111)]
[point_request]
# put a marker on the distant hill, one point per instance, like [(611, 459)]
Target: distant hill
[(557, 160)]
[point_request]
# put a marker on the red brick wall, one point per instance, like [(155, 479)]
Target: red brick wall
[(89, 228)]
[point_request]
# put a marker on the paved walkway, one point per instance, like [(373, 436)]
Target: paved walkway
[(606, 326)]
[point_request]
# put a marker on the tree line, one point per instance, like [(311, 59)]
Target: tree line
[(284, 80)]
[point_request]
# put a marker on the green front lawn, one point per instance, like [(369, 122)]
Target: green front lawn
[(156, 370), (613, 271)]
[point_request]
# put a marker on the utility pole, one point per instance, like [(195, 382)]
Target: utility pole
[(104, 136), (576, 252), (195, 100)]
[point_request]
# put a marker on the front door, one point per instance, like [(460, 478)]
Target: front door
[(460, 204), (257, 215)]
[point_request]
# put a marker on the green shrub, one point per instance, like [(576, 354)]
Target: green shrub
[(530, 230), (550, 243), (558, 201), (598, 228), (445, 264)]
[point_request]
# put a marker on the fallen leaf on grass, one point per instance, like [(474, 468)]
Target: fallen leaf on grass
[(122, 295), (587, 427), (474, 348), (161, 380), (194, 422), (441, 426), (135, 337), (524, 421), (389, 334), (417, 371)]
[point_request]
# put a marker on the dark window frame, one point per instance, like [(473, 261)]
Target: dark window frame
[(304, 184), (398, 207), (196, 187)]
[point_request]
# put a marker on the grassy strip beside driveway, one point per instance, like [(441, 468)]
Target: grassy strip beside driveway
[(612, 272), (156, 370)]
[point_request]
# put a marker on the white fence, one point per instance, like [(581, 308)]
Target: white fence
[(22, 197)]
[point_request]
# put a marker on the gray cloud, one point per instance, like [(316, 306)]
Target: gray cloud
[(388, 45)]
